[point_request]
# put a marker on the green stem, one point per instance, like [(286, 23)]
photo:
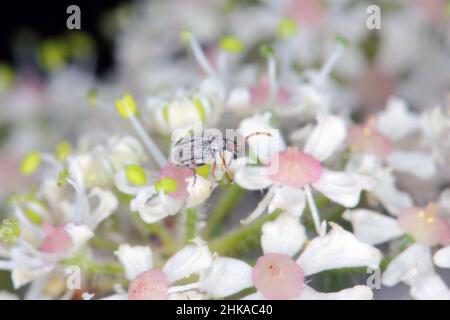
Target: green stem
[(242, 237), (155, 229), (191, 225), (109, 268), (103, 243), (225, 205)]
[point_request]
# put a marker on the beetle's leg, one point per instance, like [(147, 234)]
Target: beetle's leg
[(213, 170), (213, 175), (227, 171), (195, 176)]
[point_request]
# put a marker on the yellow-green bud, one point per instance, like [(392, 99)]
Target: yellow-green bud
[(204, 170), (167, 185), (126, 106), (136, 175), (287, 28), (63, 150), (30, 163), (232, 44), (9, 231)]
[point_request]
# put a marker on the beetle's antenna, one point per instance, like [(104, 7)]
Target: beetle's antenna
[(258, 133)]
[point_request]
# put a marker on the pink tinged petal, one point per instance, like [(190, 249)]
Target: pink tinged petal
[(442, 257), (149, 285), (260, 93), (367, 138), (180, 175), (326, 137), (413, 262), (254, 296), (56, 240), (418, 164), (294, 168), (226, 277), (278, 277), (429, 287), (425, 225), (372, 227), (355, 293), (339, 186), (285, 235), (307, 12), (338, 249)]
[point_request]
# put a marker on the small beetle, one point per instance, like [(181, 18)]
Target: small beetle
[(193, 152)]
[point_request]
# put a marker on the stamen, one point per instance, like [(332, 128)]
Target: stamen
[(127, 108), (261, 207), (269, 53), (199, 55), (332, 60), (314, 211)]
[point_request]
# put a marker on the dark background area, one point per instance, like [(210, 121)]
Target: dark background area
[(47, 18)]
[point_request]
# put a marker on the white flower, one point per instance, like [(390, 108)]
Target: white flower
[(293, 172), (162, 194), (149, 283), (277, 276)]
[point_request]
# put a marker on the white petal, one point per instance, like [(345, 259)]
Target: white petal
[(198, 192), (372, 227), (154, 207), (355, 293), (338, 249), (252, 177), (226, 276), (135, 259), (79, 234), (239, 98), (418, 164), (193, 258), (27, 267), (123, 185), (397, 112), (429, 287), (107, 203), (389, 195), (364, 167), (413, 262), (291, 200), (326, 137), (261, 146), (5, 295), (442, 257), (341, 187), (187, 295), (285, 235), (116, 296)]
